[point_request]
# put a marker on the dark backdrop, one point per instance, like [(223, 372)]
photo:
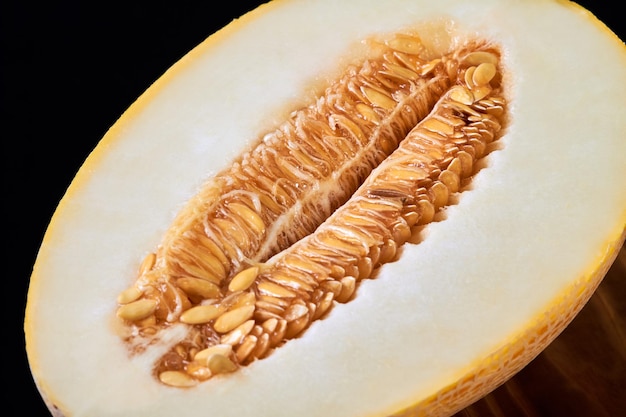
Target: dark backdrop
[(69, 69)]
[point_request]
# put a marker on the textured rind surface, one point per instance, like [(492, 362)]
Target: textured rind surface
[(479, 375), (522, 348)]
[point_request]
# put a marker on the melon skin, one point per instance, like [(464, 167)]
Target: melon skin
[(587, 284), (579, 374)]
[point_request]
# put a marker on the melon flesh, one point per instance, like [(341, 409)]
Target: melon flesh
[(483, 293)]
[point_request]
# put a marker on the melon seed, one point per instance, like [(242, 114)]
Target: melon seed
[(243, 279), (233, 318), (137, 310), (201, 314)]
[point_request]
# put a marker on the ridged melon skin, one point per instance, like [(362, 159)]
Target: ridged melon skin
[(509, 359), (579, 374), (488, 370)]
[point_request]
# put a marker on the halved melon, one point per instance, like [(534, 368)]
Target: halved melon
[(527, 229)]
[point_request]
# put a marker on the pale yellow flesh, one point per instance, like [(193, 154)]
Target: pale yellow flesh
[(544, 214)]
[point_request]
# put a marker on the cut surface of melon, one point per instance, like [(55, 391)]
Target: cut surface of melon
[(454, 316)]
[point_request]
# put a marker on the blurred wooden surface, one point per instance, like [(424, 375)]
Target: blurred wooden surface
[(582, 373)]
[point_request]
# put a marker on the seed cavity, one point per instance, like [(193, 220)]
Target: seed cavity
[(273, 242)]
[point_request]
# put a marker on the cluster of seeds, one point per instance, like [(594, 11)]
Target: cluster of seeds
[(396, 137), (281, 190)]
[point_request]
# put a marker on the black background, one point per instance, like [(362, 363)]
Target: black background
[(69, 69)]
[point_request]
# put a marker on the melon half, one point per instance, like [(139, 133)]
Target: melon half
[(486, 287)]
